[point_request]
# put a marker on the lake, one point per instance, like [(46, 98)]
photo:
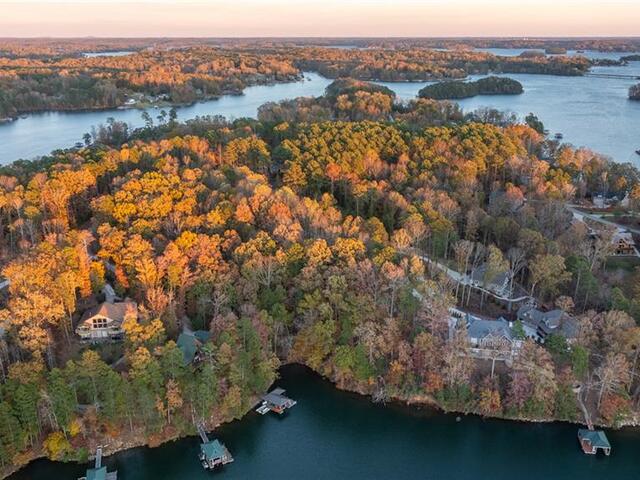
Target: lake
[(331, 434), (120, 53), (588, 111), (40, 133)]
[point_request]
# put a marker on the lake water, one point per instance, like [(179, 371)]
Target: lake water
[(40, 133), (335, 435), (591, 54), (120, 53), (588, 111)]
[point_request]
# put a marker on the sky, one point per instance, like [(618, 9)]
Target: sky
[(280, 18)]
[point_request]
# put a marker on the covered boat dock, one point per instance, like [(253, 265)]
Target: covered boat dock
[(99, 472), (212, 452), (275, 401), (593, 440)]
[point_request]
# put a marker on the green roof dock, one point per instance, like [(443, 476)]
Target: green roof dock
[(99, 472), (593, 440), (212, 452)]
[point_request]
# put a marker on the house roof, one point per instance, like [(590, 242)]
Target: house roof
[(188, 342), (479, 273), (549, 322), (481, 328), (212, 449), (114, 311), (597, 438)]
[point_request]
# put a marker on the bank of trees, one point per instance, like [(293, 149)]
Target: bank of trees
[(484, 86), (177, 76), (298, 242)]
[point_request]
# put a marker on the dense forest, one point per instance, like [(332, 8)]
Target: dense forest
[(176, 76), (484, 86), (425, 64), (634, 92), (301, 237)]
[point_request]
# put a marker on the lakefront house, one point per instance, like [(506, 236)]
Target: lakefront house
[(538, 325), (104, 321)]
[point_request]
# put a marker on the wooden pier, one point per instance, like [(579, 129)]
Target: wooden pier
[(212, 452), (275, 401), (99, 472)]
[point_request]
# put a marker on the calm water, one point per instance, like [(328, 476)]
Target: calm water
[(588, 111), (592, 54), (334, 435), (120, 53), (39, 134)]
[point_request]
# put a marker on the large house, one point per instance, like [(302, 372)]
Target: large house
[(486, 335), (538, 324), (498, 283), (104, 322), (623, 244)]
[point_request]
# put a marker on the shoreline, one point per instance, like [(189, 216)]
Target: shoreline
[(145, 106), (139, 440)]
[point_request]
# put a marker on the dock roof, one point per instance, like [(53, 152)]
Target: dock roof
[(597, 438), (212, 449), (97, 473), (277, 398)]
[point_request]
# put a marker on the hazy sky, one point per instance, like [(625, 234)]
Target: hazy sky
[(320, 18)]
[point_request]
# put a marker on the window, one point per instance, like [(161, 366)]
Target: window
[(99, 323)]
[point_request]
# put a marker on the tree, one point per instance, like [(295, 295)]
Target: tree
[(613, 375), (535, 123), (549, 273), (173, 398)]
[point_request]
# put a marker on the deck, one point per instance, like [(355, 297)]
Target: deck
[(275, 401)]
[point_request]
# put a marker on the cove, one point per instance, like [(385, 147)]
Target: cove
[(331, 434), (40, 133)]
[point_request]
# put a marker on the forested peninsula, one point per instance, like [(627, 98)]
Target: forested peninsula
[(310, 235), (485, 86)]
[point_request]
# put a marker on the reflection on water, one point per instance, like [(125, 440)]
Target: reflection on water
[(331, 434)]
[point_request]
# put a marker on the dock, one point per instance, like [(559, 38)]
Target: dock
[(213, 453), (275, 401), (593, 440), (98, 472)]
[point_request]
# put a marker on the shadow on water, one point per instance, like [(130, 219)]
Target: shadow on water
[(334, 434)]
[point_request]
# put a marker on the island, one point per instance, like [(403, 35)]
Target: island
[(485, 86), (634, 92)]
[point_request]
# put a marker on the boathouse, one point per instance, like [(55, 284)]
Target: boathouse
[(275, 401), (99, 472), (592, 440), (214, 453)]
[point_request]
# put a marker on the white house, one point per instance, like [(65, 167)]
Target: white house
[(104, 322)]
